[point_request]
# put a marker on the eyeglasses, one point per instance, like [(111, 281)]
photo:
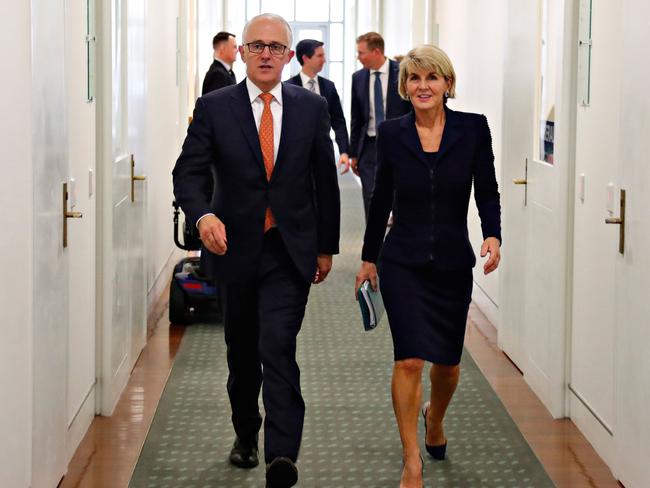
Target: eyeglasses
[(275, 48)]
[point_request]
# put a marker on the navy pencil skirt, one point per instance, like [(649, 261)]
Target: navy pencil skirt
[(427, 310)]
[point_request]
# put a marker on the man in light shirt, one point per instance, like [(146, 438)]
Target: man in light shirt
[(311, 56), (269, 231), (374, 99)]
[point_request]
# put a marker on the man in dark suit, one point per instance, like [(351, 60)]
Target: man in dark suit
[(374, 99), (311, 56), (220, 73), (269, 231)]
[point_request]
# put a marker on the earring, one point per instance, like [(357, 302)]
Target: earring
[(446, 94)]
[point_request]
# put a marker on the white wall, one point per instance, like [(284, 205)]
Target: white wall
[(210, 21), (16, 188), (472, 33), (406, 24), (396, 18), (164, 125)]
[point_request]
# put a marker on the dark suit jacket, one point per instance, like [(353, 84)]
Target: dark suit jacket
[(430, 204), (217, 77), (337, 119), (360, 105), (303, 192)]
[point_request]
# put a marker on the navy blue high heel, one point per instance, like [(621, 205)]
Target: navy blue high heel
[(436, 452)]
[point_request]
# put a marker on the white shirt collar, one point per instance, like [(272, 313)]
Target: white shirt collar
[(384, 67), (225, 65), (305, 78), (254, 91)]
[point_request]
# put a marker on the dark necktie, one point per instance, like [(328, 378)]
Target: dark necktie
[(232, 76), (379, 101)]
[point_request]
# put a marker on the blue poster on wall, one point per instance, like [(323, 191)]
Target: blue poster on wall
[(548, 139)]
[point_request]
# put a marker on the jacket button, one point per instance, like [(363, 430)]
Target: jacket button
[(430, 257)]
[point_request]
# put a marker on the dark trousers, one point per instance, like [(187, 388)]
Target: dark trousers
[(367, 171), (262, 319)]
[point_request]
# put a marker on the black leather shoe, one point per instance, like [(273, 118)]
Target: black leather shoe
[(244, 454), (281, 473)]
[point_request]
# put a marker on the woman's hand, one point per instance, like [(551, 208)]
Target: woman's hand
[(367, 271), (492, 246)]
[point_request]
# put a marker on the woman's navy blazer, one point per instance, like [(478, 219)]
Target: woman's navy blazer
[(430, 203)]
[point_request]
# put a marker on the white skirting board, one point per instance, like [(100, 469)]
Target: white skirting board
[(486, 305), (162, 280)]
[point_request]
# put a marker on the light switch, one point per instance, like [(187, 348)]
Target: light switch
[(72, 193), (610, 198), (91, 183)]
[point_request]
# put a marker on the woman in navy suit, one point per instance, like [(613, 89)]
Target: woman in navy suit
[(427, 161)]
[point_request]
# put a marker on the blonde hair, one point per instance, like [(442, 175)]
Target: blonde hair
[(373, 40), (427, 58)]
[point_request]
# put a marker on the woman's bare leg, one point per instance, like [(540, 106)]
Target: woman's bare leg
[(406, 389)]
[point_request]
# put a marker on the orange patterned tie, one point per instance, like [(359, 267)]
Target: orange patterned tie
[(266, 143)]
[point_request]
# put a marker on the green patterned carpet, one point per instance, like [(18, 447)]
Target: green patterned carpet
[(350, 438)]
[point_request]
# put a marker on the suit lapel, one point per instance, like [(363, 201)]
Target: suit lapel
[(410, 138), (393, 73), (450, 135), (296, 80), (289, 115), (452, 132), (241, 107), (365, 84)]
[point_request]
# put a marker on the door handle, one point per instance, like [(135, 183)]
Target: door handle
[(134, 178), (523, 181), (621, 222), (67, 215)]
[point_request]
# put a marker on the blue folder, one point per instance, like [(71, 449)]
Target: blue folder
[(371, 304)]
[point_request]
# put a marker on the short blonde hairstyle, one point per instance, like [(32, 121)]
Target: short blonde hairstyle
[(428, 58)]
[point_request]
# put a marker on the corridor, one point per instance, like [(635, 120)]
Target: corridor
[(100, 390), (350, 438)]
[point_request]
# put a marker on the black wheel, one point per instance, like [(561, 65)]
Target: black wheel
[(177, 311)]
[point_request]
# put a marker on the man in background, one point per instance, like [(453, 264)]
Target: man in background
[(374, 99), (311, 56), (220, 73)]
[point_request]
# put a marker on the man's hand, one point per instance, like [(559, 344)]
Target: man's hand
[(354, 165), (213, 234), (344, 163), (323, 267), (492, 246)]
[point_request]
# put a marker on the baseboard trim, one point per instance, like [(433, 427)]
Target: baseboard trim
[(486, 305), (162, 281)]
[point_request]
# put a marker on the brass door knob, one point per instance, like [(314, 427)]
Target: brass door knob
[(518, 181)]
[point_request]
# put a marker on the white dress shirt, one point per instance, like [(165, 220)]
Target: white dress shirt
[(225, 65), (258, 106), (276, 109), (305, 82), (371, 94)]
